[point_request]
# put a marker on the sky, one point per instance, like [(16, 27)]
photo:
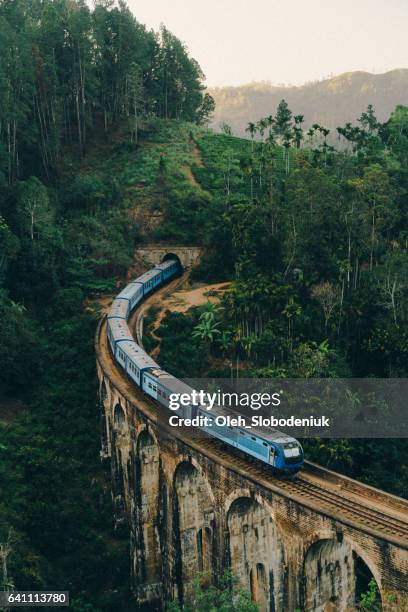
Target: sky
[(283, 41)]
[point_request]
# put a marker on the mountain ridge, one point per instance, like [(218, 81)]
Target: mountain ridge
[(332, 102)]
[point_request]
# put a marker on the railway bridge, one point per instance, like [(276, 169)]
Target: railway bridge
[(191, 505)]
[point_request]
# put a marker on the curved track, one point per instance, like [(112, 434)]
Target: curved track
[(362, 507)]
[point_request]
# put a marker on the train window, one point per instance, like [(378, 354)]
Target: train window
[(252, 438), (150, 385), (264, 443)]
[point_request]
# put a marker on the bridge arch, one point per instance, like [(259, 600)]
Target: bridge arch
[(119, 418), (359, 552), (334, 575), (104, 419), (194, 521), (256, 551), (147, 558)]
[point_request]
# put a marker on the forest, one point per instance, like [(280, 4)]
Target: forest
[(102, 129), (314, 238)]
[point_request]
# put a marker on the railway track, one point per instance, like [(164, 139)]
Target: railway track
[(322, 497), (324, 491)]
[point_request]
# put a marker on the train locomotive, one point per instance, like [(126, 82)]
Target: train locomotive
[(269, 446)]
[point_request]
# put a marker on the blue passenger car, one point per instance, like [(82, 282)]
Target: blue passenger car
[(133, 293), (118, 331), (120, 309), (169, 268), (150, 280), (159, 384)]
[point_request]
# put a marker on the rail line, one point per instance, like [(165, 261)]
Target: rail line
[(341, 498)]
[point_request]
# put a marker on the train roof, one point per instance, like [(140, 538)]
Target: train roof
[(266, 433), (170, 382), (166, 264), (137, 355), (120, 330), (128, 292), (174, 385), (148, 275), (119, 309)]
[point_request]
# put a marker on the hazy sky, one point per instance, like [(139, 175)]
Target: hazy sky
[(284, 41)]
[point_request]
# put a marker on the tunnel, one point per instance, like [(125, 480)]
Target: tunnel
[(169, 256)]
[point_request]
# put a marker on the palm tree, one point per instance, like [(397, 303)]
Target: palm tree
[(206, 330), (247, 343), (225, 341), (286, 146), (298, 132), (252, 130), (270, 122), (325, 132)]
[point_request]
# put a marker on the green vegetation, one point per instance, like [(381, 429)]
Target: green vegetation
[(101, 149), (93, 128), (371, 599), (315, 240), (207, 597)]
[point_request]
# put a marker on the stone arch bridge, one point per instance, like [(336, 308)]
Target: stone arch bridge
[(191, 505)]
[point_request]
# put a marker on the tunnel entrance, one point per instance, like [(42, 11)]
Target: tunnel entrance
[(367, 590), (170, 256)]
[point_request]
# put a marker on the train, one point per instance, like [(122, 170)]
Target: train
[(276, 449)]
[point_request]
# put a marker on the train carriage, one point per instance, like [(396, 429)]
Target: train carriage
[(120, 309), (160, 385), (136, 360), (169, 268), (118, 331), (150, 280), (133, 293)]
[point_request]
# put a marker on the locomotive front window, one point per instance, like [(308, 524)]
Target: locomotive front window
[(291, 449)]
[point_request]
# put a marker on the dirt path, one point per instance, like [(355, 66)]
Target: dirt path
[(188, 173), (197, 155), (183, 300)]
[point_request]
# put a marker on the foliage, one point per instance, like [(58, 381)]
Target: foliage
[(99, 151), (315, 241), (67, 68), (369, 600), (226, 596)]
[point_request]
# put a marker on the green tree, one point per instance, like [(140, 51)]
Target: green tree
[(33, 206), (283, 121), (225, 597), (9, 246)]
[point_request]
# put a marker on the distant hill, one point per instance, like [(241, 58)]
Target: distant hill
[(331, 102)]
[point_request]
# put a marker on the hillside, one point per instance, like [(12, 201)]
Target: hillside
[(331, 102), (180, 183)]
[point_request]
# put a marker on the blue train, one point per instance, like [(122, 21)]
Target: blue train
[(270, 446)]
